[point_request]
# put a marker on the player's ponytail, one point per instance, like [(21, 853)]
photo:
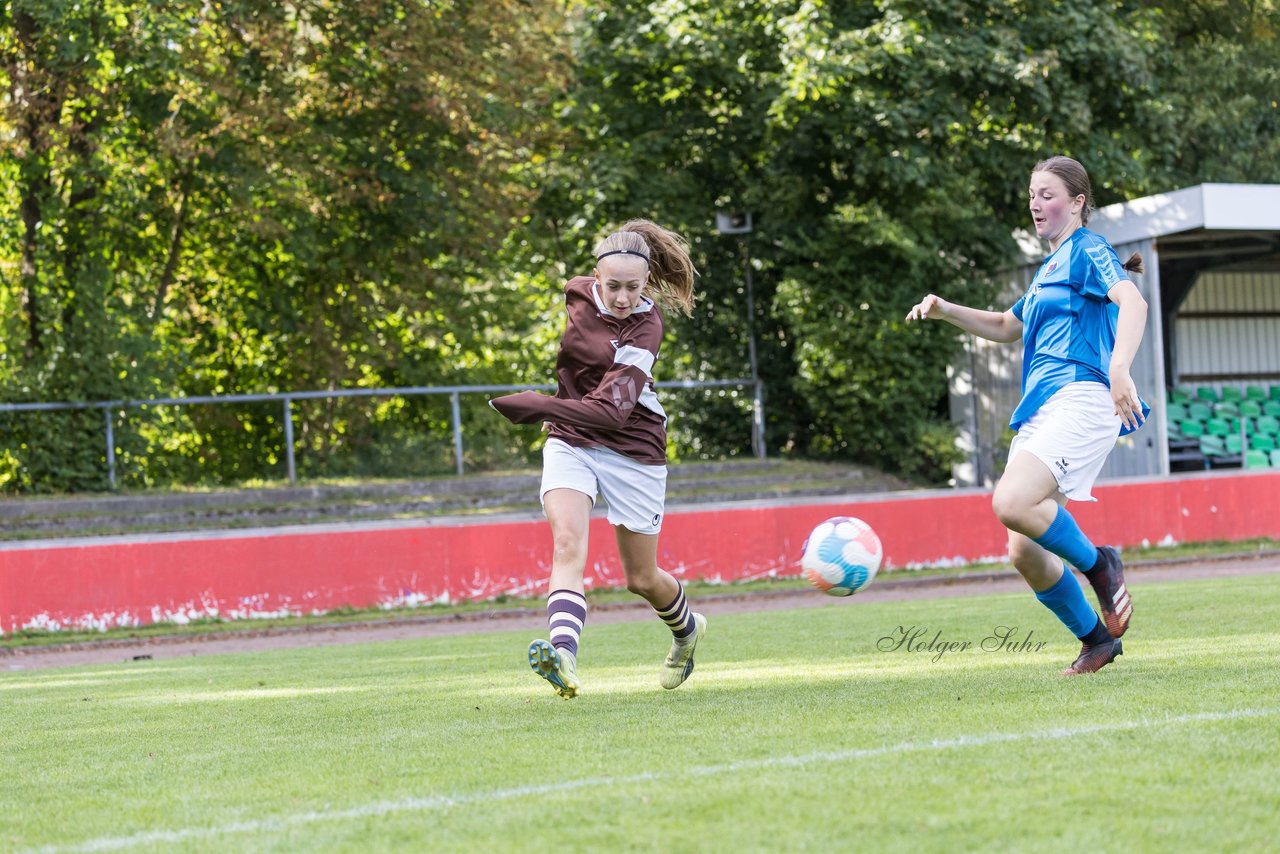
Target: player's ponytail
[(1134, 264), (671, 271)]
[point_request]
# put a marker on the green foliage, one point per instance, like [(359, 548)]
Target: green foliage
[(211, 199), (884, 150), (1218, 66), (237, 197), (854, 341), (11, 473), (865, 197)]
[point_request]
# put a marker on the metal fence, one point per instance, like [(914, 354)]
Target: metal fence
[(110, 407)]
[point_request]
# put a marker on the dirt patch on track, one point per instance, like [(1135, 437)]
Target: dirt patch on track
[(888, 589)]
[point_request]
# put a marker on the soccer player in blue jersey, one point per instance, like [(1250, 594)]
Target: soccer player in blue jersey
[(1081, 322)]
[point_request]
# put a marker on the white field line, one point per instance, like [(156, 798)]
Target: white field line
[(439, 802)]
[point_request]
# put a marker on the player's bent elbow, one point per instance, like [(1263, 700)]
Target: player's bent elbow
[(601, 417), (615, 419)]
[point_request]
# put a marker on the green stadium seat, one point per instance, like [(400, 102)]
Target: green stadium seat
[(1192, 428), (1220, 451), (1268, 425), (1233, 425), (1180, 394), (1233, 443), (1213, 446), (1272, 408), (1226, 409), (1175, 412), (1255, 392), (1275, 459), (1256, 460), (1274, 392), (1230, 392), (1218, 427), (1208, 394), (1199, 410), (1250, 409), (1263, 442)]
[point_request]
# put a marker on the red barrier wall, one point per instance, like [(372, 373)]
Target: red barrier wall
[(136, 580)]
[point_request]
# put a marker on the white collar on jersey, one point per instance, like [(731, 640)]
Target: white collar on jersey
[(645, 303)]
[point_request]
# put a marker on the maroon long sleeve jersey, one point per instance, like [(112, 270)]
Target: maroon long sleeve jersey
[(605, 377)]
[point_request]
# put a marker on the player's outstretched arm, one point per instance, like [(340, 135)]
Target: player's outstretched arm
[(992, 325)]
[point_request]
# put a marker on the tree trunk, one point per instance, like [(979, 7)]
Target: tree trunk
[(171, 257)]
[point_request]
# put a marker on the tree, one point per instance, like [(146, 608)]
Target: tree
[(1218, 67), (884, 150), (233, 197)]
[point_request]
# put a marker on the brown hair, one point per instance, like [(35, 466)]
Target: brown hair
[(1076, 179), (671, 271)]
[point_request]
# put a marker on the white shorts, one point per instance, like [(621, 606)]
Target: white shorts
[(1072, 434), (635, 492)]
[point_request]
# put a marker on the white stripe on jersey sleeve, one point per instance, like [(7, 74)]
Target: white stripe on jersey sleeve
[(1105, 263), (642, 359), (649, 400)]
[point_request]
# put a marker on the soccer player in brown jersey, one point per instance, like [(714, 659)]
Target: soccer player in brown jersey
[(607, 435)]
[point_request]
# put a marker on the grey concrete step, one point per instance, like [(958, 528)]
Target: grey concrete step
[(691, 484)]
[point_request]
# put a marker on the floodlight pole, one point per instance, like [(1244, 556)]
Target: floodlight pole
[(751, 313), (757, 393), (739, 222)]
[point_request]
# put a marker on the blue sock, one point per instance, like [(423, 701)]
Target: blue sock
[(1065, 539), (1066, 600)]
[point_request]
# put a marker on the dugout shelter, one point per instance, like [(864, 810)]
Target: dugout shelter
[(1212, 284)]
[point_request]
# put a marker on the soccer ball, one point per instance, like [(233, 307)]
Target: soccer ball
[(841, 556)]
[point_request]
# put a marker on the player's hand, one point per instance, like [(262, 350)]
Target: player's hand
[(929, 307), (1124, 393)]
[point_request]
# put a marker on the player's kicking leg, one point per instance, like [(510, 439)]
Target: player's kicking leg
[(639, 554), (679, 662)]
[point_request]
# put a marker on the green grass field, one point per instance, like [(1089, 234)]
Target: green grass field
[(795, 733)]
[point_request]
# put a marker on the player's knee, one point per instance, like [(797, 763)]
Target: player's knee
[(1005, 508), (569, 549)]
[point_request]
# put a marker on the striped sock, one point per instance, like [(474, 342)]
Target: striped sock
[(566, 614), (677, 616)]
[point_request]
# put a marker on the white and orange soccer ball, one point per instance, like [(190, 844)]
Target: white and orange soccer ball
[(841, 556)]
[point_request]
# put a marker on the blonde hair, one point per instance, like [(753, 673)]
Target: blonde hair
[(671, 271)]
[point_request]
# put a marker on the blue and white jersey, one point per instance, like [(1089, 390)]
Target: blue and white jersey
[(1068, 322)]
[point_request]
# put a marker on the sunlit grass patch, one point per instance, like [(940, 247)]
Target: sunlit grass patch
[(798, 730)]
